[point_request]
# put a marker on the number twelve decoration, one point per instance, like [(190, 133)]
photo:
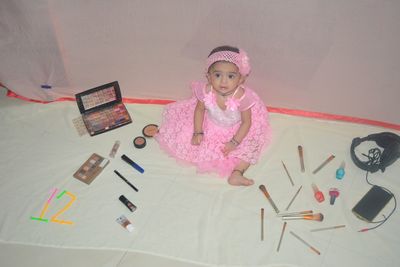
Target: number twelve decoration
[(54, 217)]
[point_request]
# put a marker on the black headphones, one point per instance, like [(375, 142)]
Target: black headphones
[(390, 143)]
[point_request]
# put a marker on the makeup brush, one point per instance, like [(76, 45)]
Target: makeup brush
[(295, 213), (305, 243), (288, 174), (294, 197), (280, 239), (331, 157), (266, 194), (312, 217), (301, 156), (262, 224)]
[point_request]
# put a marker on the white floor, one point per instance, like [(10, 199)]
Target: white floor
[(183, 218)]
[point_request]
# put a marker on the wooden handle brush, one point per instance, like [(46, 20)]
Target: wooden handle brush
[(312, 217), (266, 194), (295, 213)]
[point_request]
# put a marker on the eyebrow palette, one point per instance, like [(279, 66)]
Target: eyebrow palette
[(102, 108)]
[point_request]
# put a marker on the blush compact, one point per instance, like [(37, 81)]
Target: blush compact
[(139, 142), (150, 130)]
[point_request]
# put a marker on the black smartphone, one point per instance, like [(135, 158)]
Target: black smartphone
[(372, 203)]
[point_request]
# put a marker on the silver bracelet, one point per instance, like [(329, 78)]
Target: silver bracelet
[(198, 133), (234, 142)]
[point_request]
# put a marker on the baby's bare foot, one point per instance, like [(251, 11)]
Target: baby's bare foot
[(237, 178)]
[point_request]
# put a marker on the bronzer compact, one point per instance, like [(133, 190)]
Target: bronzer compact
[(139, 142), (148, 131)]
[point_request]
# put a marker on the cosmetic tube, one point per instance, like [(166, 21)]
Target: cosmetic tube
[(127, 203), (124, 222)]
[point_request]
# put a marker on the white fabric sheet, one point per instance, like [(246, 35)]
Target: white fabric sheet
[(182, 215)]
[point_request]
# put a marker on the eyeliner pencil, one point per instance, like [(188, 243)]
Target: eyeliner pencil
[(126, 181)]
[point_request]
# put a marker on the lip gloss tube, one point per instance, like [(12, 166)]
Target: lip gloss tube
[(114, 149), (127, 203)]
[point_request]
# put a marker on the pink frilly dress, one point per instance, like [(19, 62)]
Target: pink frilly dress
[(219, 126)]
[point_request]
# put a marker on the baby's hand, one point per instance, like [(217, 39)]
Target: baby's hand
[(229, 146), (196, 139)]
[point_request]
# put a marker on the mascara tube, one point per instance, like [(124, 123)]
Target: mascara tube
[(132, 163), (127, 203)]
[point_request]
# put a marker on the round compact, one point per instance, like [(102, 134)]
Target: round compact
[(150, 130), (139, 142)]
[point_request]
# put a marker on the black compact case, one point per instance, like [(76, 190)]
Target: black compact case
[(372, 203)]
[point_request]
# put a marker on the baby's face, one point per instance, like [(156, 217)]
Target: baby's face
[(224, 76)]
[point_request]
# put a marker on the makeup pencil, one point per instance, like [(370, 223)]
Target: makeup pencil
[(126, 181)]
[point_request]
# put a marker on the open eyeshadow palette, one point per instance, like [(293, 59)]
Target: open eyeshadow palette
[(91, 168), (102, 108)]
